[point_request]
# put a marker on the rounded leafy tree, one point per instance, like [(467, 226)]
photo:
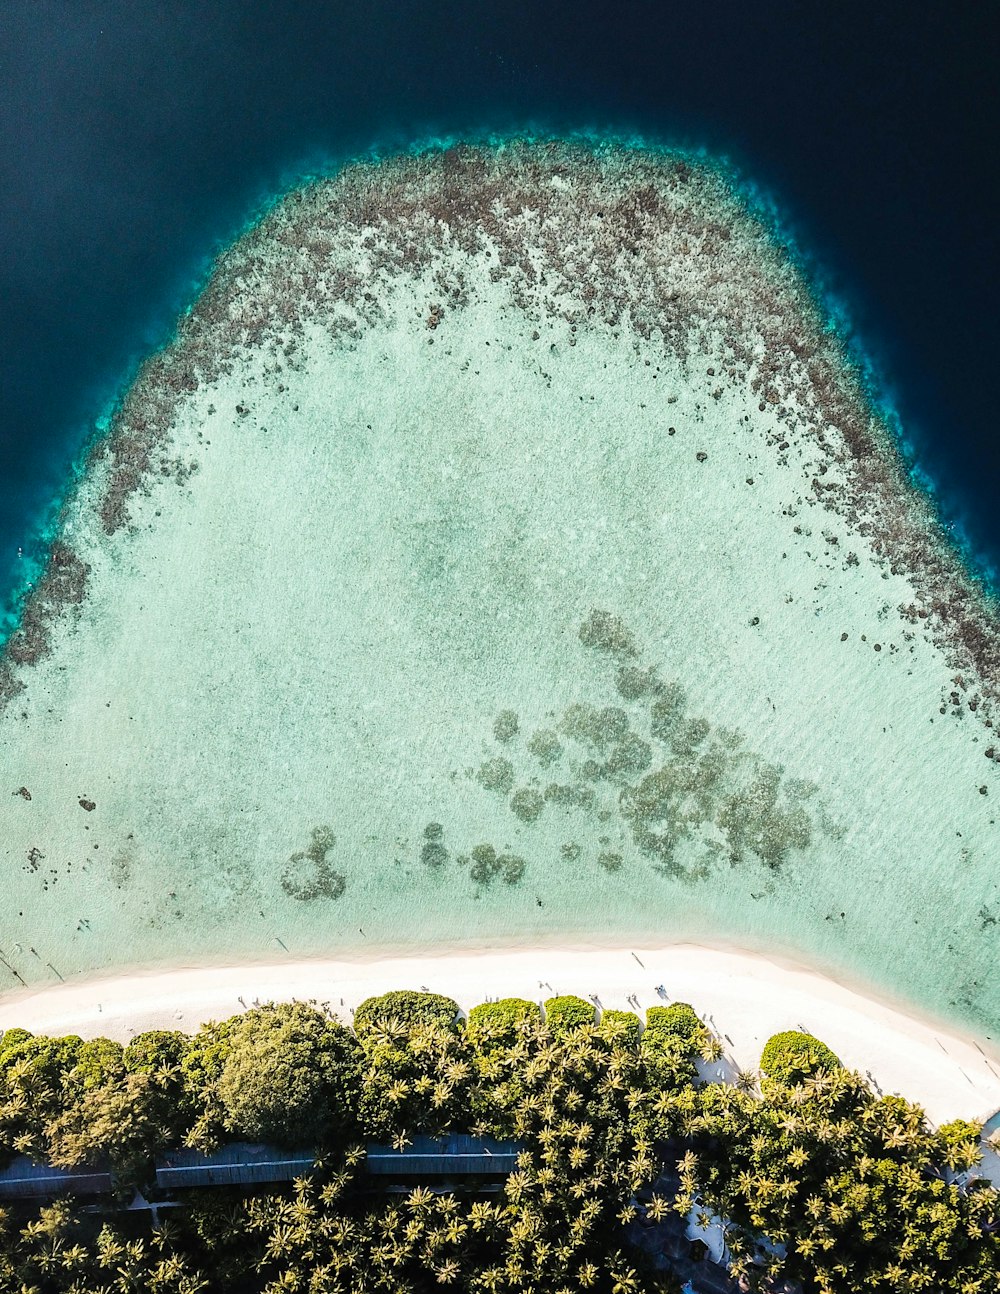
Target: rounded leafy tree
[(672, 1040), (156, 1049), (498, 1024), (12, 1037), (98, 1062), (408, 1007), (959, 1143), (47, 1059), (792, 1056), (291, 1076), (621, 1028), (678, 1020), (562, 1014)]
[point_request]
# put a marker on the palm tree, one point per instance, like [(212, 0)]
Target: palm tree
[(624, 1279), (447, 1271), (420, 1201), (587, 1276)]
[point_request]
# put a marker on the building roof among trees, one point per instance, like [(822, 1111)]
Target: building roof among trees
[(241, 1163), (450, 1155), (24, 1178), (246, 1164)]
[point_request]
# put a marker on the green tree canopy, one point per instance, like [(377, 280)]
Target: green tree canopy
[(498, 1024), (32, 1075), (98, 1063), (792, 1056), (47, 1058), (155, 1049), (959, 1142), (11, 1037), (621, 1027), (290, 1075), (847, 1188), (563, 1014), (679, 1019), (847, 1182), (409, 1007), (673, 1039)]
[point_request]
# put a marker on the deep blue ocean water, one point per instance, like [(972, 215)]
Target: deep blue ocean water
[(136, 136)]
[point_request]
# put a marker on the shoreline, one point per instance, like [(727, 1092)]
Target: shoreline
[(745, 997)]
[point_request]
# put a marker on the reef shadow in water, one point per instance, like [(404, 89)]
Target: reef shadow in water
[(310, 875), (645, 777)]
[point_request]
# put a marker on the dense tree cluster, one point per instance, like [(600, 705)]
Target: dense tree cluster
[(820, 1180), (849, 1184), (792, 1055)]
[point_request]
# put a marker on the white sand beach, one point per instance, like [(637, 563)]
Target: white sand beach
[(743, 996)]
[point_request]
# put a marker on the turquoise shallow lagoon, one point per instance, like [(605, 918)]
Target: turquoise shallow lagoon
[(504, 552)]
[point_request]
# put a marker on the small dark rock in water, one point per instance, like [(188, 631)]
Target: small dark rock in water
[(755, 620), (505, 725), (89, 805), (983, 790), (23, 792), (606, 632), (545, 746), (527, 803), (701, 456), (496, 775), (433, 853), (843, 638)]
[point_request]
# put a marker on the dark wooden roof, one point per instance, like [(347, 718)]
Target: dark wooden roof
[(246, 1164), (23, 1178), (239, 1164), (455, 1154)]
